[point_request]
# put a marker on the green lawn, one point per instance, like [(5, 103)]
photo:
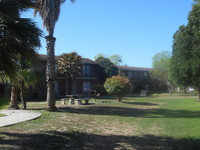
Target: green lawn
[(1, 115), (151, 123)]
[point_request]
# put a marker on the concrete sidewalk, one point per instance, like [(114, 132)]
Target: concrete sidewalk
[(17, 116)]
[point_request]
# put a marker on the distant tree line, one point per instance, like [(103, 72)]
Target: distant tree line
[(182, 68)]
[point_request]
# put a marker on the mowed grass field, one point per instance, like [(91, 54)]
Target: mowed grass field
[(162, 122)]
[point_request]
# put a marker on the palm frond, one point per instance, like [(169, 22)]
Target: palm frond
[(18, 36), (49, 10), (69, 64)]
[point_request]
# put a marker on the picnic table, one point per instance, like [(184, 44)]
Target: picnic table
[(75, 99), (79, 101)]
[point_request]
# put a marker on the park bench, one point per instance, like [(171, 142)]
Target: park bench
[(79, 101), (63, 100)]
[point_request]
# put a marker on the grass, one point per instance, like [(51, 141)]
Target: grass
[(146, 123), (4, 103), (1, 115)]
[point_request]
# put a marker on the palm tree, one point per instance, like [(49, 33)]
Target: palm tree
[(20, 85), (49, 12), (18, 36), (70, 66)]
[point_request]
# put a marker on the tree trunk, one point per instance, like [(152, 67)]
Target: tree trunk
[(13, 99), (184, 90), (50, 73), (22, 95), (50, 97), (119, 98), (169, 90), (198, 91)]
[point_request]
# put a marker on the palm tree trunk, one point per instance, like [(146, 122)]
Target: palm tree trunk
[(50, 73), (22, 67), (22, 95), (13, 99)]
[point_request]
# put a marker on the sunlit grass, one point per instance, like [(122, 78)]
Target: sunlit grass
[(1, 115), (156, 122)]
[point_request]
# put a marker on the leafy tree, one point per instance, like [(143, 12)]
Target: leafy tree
[(185, 63), (49, 11), (106, 69), (161, 72), (115, 59), (109, 68), (70, 66), (197, 1), (179, 65), (118, 85), (99, 55)]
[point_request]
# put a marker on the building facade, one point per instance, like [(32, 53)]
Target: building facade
[(89, 79), (141, 80), (139, 77), (84, 83)]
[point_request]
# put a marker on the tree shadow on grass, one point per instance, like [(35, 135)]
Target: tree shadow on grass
[(55, 140), (131, 112), (141, 103)]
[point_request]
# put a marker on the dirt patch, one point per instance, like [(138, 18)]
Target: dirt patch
[(117, 128)]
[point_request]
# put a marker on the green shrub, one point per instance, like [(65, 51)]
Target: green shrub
[(118, 85)]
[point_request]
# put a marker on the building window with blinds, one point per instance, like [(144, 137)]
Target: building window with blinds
[(86, 86), (87, 69)]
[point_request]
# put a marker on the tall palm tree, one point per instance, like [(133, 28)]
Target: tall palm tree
[(49, 12)]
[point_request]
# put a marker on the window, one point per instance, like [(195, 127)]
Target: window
[(86, 86), (130, 75), (86, 69), (145, 74)]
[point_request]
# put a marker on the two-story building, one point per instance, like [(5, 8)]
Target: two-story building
[(88, 80), (139, 77), (83, 83)]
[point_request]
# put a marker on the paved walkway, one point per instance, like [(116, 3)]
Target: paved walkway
[(17, 116)]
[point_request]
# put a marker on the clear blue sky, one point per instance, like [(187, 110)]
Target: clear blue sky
[(134, 29)]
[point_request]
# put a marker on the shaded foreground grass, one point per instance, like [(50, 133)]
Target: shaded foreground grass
[(76, 140), (164, 122), (4, 103)]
